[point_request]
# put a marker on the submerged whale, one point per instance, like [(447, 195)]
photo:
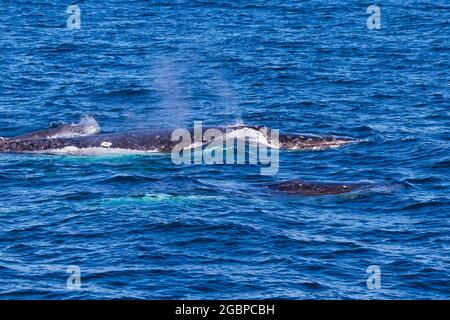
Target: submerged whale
[(316, 188), (85, 136)]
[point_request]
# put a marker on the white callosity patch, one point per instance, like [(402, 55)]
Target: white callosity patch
[(106, 144)]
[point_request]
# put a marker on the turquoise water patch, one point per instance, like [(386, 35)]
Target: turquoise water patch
[(160, 198)]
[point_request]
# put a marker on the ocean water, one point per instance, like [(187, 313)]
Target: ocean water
[(138, 226)]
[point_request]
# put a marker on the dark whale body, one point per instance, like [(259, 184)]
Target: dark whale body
[(148, 140), (314, 188), (137, 141)]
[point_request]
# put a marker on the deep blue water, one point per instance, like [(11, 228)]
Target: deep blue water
[(142, 227)]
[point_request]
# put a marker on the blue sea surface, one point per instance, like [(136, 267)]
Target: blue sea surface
[(141, 227)]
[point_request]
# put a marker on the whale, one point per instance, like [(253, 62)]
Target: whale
[(86, 136), (317, 188)]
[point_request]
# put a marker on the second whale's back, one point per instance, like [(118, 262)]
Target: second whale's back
[(313, 188)]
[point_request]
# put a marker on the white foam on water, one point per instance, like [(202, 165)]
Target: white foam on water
[(194, 145), (253, 136), (237, 123), (70, 150), (316, 148), (85, 127), (89, 124)]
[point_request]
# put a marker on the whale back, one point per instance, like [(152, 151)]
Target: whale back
[(87, 126), (314, 188)]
